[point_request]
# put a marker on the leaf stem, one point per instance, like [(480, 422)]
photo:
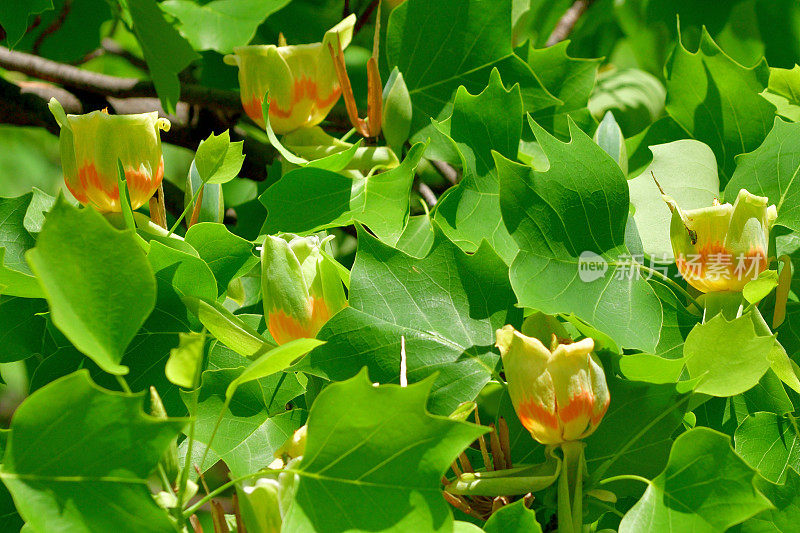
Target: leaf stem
[(123, 384), (622, 477), (222, 488), (689, 298), (185, 212)]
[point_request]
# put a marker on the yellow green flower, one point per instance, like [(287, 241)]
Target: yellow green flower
[(301, 79), (559, 393), (91, 147), (724, 246)]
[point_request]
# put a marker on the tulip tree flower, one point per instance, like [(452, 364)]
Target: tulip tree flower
[(560, 396), (94, 143), (559, 393), (301, 79), (301, 285), (722, 247)]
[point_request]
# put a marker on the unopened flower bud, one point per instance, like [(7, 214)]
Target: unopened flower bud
[(94, 143), (559, 395), (301, 287), (301, 79)]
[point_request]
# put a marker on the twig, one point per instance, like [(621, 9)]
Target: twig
[(567, 22), (110, 46), (364, 18), (426, 193), (113, 86), (53, 27), (447, 171)]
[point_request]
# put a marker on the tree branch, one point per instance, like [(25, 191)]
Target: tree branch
[(567, 21), (113, 86)]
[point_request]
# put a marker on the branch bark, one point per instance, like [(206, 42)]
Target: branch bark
[(567, 21), (113, 86)]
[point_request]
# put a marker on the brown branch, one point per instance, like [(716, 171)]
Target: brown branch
[(447, 171), (111, 86), (364, 18), (53, 26), (110, 46), (567, 21), (426, 193)]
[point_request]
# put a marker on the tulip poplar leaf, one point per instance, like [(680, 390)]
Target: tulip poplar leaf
[(227, 255), (470, 212), (440, 45), (727, 355), (705, 487), (218, 160), (569, 79), (772, 170), (253, 423), (513, 518), (99, 451), (569, 222), (783, 91), (393, 294), (166, 52), (635, 435), (97, 281), (786, 501), (382, 454), (310, 199), (15, 240), (717, 101), (221, 25), (228, 328), (769, 442), (14, 17)]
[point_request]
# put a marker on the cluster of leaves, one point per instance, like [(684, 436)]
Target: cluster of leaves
[(555, 156)]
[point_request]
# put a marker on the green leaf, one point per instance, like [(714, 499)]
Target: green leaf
[(228, 328), (439, 303), (771, 171), (728, 356), (470, 212), (14, 17), (21, 330), (514, 518), (15, 240), (635, 435), (769, 443), (440, 45), (705, 487), (635, 97), (570, 80), (180, 275), (166, 52), (253, 423), (608, 136), (310, 199), (218, 160), (273, 361), (212, 206), (97, 281), (397, 110), (687, 171), (221, 25), (183, 365), (375, 444), (418, 236), (227, 255), (717, 101), (566, 219), (783, 91), (758, 289), (786, 500), (97, 454)]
